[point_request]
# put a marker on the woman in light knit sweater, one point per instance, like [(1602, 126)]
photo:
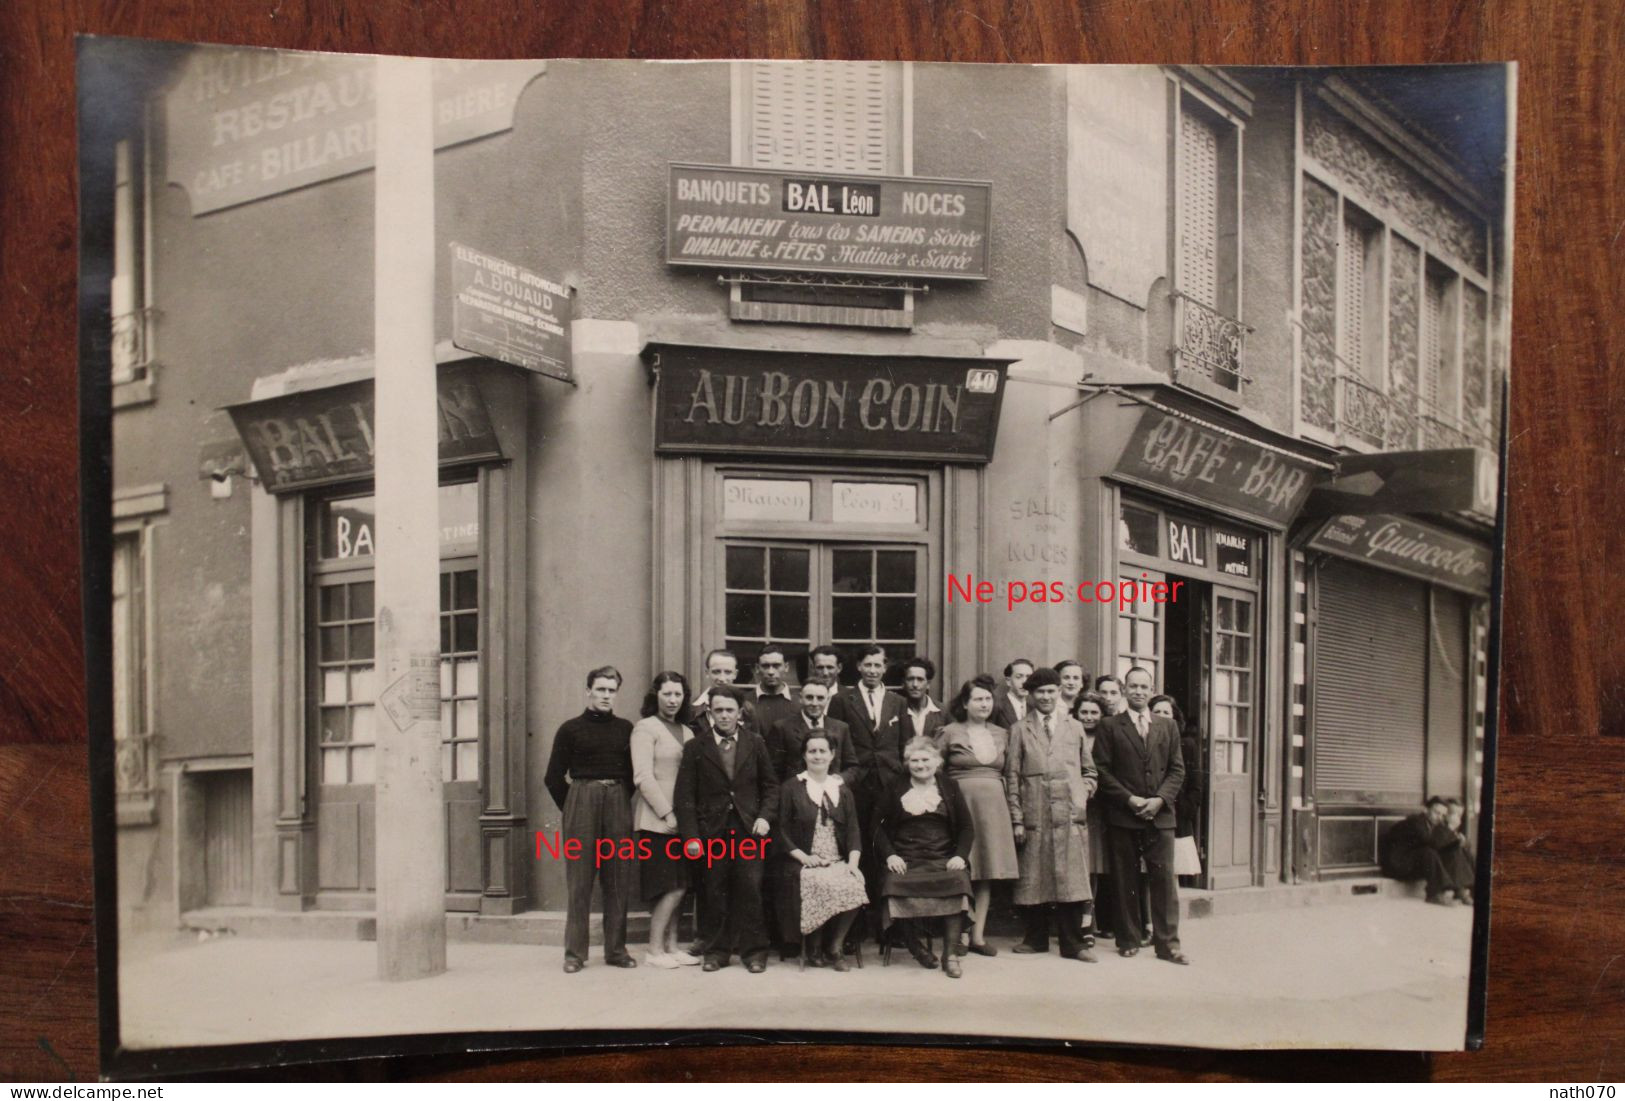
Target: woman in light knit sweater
[(657, 749)]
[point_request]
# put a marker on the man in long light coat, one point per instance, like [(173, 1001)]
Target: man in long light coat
[(1049, 778)]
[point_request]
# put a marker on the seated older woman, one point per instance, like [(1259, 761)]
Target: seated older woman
[(819, 830), (924, 833)]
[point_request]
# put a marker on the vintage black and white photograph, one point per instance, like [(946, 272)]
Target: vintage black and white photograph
[(795, 548)]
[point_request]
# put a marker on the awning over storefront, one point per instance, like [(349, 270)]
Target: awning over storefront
[(1460, 479), (325, 435), (1410, 547), (1215, 467)]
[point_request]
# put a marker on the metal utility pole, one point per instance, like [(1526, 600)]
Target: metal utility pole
[(411, 848)]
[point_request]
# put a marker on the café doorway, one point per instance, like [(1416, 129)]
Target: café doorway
[(1202, 647)]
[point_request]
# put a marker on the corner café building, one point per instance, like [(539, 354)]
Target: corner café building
[(822, 394)]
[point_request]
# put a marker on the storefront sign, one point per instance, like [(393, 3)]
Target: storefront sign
[(244, 124), (766, 499), (1214, 468), (1187, 543), (326, 435), (1233, 553), (509, 313), (741, 400), (718, 216), (875, 503), (1405, 546)]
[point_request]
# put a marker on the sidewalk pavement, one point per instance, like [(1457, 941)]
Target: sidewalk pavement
[(1377, 973)]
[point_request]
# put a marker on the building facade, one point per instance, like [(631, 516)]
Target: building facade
[(843, 340)]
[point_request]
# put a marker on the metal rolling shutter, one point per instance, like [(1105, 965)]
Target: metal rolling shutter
[(828, 116), (1370, 685)]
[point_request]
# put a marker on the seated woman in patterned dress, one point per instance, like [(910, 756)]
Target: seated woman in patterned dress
[(924, 833), (819, 830)]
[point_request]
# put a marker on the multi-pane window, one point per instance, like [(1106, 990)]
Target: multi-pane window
[(794, 595), (768, 598), (460, 674), (1139, 627), (1232, 681), (875, 599), (345, 642), (344, 669)]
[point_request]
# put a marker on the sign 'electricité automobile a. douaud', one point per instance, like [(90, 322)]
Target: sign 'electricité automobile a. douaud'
[(896, 226)]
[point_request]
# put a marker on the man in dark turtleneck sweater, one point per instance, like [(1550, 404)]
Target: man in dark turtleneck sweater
[(594, 751)]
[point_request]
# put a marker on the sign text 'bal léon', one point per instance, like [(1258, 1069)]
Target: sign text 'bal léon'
[(244, 124), (906, 407), (1405, 546), (316, 437), (1214, 469), (902, 227)]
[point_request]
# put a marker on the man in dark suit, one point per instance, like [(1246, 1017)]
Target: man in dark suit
[(874, 715), (1010, 698), (1141, 771), (788, 736), (727, 797)]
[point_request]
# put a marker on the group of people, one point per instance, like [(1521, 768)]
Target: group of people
[(797, 812)]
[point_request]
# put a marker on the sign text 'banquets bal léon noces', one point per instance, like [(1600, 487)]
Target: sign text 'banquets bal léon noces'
[(755, 218)]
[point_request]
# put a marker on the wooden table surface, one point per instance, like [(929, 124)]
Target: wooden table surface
[(1557, 986)]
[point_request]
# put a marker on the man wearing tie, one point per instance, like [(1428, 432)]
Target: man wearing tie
[(874, 715), (1141, 772), (726, 790), (788, 736)]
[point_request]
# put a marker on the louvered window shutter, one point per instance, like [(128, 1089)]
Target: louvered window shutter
[(1199, 208), (1433, 344), (827, 116), (1352, 290)]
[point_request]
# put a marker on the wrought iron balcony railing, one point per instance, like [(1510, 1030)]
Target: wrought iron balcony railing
[(1399, 421), (1207, 343)]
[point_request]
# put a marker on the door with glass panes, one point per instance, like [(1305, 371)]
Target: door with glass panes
[(1232, 719), (804, 559), (342, 721)]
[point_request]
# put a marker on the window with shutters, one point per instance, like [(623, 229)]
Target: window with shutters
[(1394, 329), (1209, 334), (131, 337), (822, 116)]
